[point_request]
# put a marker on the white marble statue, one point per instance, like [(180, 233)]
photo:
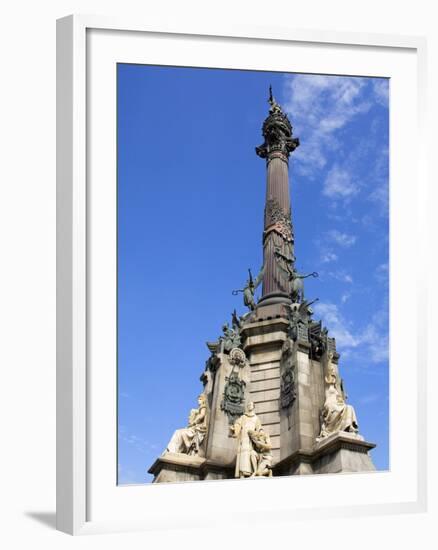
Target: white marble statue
[(247, 456), (188, 440), (254, 448), (336, 415)]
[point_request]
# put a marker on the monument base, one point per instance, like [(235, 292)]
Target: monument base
[(176, 467), (340, 452), (343, 452)]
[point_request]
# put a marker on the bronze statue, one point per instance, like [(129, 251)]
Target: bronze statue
[(230, 339), (299, 313), (277, 131), (236, 322), (295, 278), (274, 106), (250, 288)]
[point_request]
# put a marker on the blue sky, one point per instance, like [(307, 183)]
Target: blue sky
[(191, 194)]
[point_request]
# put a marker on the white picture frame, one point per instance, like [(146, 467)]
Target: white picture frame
[(76, 214)]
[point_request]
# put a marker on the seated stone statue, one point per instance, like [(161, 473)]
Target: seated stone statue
[(336, 415), (189, 440)]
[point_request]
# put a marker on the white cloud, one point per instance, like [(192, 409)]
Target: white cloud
[(342, 276), (342, 239), (320, 106), (382, 273), (328, 256), (337, 325), (141, 445), (369, 398), (372, 342), (379, 181), (376, 342), (381, 90), (380, 195), (339, 184)]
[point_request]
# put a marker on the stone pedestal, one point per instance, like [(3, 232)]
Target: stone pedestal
[(340, 452), (175, 467)]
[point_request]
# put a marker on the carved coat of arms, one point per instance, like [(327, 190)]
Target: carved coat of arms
[(233, 402), (287, 388)]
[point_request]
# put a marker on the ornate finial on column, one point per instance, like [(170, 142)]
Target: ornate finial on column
[(271, 98), (277, 131)]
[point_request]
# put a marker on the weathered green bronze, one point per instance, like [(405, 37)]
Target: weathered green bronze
[(277, 131), (295, 279), (233, 402), (230, 339), (287, 388), (250, 288)]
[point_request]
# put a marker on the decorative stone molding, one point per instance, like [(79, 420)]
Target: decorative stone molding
[(342, 440), (237, 358)]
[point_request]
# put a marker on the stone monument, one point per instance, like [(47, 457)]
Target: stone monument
[(273, 401)]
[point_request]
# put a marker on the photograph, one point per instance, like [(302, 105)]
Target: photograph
[(219, 302), (252, 274)]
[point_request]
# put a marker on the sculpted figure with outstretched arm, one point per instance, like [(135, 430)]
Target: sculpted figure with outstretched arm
[(250, 288)]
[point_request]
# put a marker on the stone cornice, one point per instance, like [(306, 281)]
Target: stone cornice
[(333, 443), (268, 325), (190, 464), (177, 462)]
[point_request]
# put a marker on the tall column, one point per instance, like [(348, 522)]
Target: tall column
[(278, 237)]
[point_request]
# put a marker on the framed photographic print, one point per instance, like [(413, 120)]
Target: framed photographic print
[(239, 214)]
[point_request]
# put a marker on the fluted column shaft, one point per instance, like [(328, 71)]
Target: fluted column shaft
[(277, 235)]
